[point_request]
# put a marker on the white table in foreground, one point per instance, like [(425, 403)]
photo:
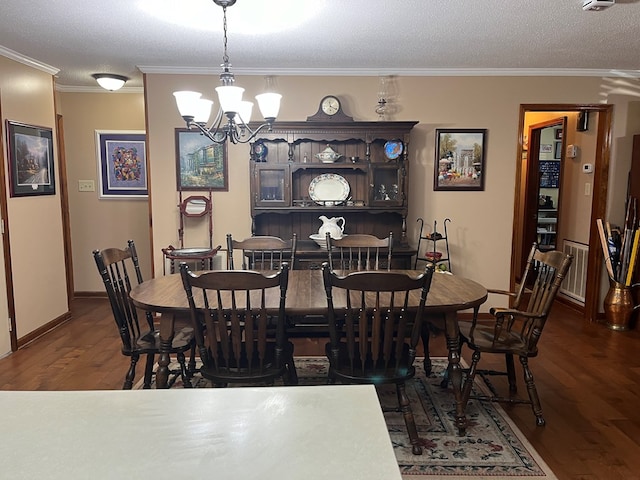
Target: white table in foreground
[(316, 432)]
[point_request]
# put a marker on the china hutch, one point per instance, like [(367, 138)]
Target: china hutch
[(366, 185)]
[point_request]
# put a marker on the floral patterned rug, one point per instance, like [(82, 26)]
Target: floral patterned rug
[(492, 448)]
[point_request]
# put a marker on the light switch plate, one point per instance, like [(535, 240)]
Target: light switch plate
[(86, 186)]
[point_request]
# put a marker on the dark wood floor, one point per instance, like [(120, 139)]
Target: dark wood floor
[(588, 379)]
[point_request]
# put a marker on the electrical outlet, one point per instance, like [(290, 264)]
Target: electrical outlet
[(86, 186)]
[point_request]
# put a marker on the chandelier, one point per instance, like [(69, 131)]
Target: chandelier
[(196, 110)]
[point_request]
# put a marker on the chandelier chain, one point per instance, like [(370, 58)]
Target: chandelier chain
[(225, 56)]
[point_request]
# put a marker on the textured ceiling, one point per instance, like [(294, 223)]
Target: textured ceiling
[(343, 37)]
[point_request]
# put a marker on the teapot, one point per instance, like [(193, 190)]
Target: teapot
[(332, 226)]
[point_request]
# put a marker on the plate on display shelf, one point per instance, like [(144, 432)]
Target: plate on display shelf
[(329, 187), (393, 149)]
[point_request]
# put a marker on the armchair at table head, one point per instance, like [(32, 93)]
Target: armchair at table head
[(119, 268), (360, 252), (262, 252), (517, 330), (366, 310), (229, 314)]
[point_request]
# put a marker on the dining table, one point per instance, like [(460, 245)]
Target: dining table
[(318, 432), (448, 295)]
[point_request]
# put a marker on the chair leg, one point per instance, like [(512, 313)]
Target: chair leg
[(511, 374), (148, 371), (533, 392), (192, 361), (424, 335), (131, 373), (184, 373), (291, 377), (468, 382), (405, 408)]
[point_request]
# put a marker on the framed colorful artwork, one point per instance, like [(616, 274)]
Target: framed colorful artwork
[(200, 163), (122, 164), (460, 162), (31, 167)]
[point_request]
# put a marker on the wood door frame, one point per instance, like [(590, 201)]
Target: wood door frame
[(64, 207), (6, 245), (598, 200)]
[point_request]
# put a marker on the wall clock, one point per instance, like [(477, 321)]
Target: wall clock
[(330, 109)]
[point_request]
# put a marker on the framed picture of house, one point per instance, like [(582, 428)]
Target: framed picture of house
[(201, 164), (31, 167), (460, 159), (122, 164)]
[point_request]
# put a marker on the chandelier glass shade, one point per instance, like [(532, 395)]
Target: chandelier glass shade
[(233, 117)]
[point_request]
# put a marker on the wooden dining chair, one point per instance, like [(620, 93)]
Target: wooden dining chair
[(360, 252), (119, 268), (262, 252), (516, 331), (364, 346), (235, 341)]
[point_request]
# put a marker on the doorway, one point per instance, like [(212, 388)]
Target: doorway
[(542, 187), (527, 194)]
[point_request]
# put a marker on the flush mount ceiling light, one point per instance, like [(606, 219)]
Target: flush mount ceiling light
[(196, 111), (597, 4), (109, 81)]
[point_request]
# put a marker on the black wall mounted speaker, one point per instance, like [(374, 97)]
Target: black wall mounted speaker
[(583, 121)]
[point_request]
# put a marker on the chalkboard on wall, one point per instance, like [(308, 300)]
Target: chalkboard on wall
[(550, 174)]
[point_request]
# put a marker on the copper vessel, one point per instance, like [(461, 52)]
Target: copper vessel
[(619, 306)]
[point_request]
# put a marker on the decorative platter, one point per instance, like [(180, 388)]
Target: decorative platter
[(260, 150), (393, 149), (329, 187)]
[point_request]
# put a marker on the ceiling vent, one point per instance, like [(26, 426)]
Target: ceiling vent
[(597, 4)]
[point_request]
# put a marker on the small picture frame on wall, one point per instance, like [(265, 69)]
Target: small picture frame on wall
[(557, 152), (31, 167), (460, 161), (558, 133), (122, 164), (201, 164)]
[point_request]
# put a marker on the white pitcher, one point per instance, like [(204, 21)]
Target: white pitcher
[(334, 225)]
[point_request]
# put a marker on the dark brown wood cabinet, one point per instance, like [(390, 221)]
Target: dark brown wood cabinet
[(286, 166)]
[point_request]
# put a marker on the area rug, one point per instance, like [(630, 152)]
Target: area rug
[(492, 448)]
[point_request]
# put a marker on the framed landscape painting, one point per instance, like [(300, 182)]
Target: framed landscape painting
[(31, 167), (200, 163), (122, 164), (460, 159)]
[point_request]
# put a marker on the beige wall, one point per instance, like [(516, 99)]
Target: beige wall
[(480, 232), (481, 221), (34, 223), (100, 223)]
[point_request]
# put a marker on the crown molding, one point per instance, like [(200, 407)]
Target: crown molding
[(13, 55), (415, 72), (96, 89)]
